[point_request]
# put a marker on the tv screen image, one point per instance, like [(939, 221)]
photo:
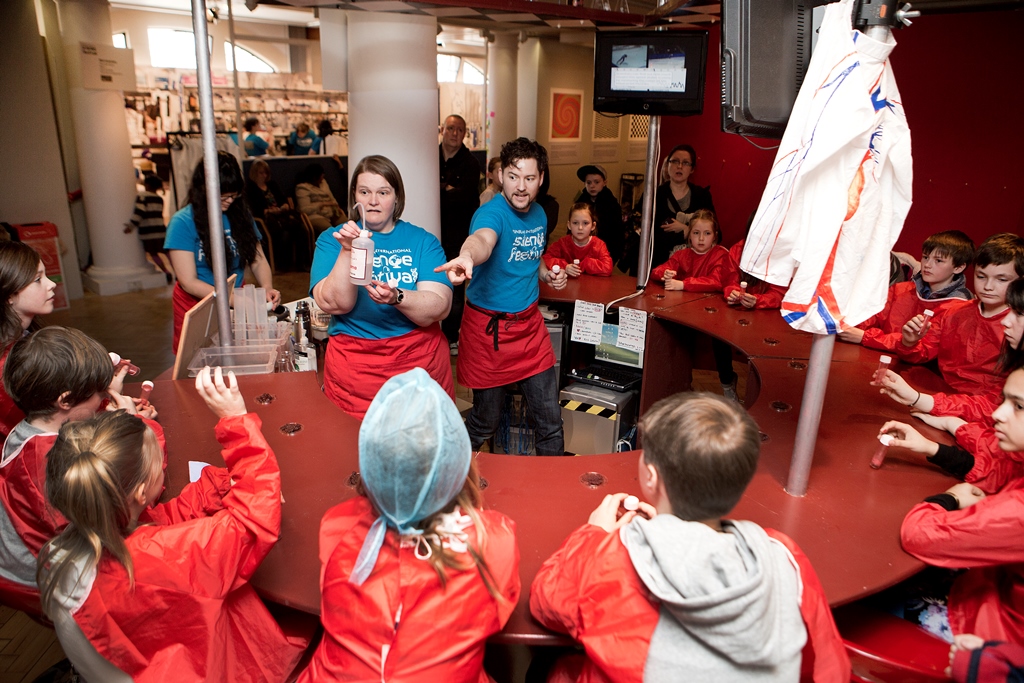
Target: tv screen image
[(643, 68), (645, 72)]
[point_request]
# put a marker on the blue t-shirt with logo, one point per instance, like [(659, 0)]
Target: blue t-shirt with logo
[(508, 280), (408, 254), (255, 145), (182, 236), (302, 146)]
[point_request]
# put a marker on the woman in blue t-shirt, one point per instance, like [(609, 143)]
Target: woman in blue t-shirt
[(188, 241), (391, 325)]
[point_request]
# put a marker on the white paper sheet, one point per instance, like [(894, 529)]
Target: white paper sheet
[(632, 329), (586, 322), (195, 468)]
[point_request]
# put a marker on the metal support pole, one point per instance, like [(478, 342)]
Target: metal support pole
[(208, 127), (647, 212), (818, 367), (810, 413), (234, 74)]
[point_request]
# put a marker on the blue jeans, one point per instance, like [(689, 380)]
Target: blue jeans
[(541, 394)]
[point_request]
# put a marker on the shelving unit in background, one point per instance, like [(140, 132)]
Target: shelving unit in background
[(167, 100)]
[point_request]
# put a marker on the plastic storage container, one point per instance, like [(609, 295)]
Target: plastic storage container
[(242, 360)]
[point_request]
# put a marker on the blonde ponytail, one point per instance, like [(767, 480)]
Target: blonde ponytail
[(91, 471)]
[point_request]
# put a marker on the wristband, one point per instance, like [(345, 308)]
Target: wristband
[(915, 400)]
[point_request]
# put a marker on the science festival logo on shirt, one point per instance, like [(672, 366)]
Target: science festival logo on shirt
[(395, 264), (201, 253), (528, 244)]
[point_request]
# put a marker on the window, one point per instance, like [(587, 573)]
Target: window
[(247, 61), (171, 48), (472, 74), (121, 40), (448, 68)]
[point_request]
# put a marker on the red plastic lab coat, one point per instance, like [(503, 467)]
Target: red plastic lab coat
[(769, 296), (23, 489), (594, 258), (23, 493), (192, 615), (590, 590), (988, 600), (401, 624), (707, 272), (994, 469), (967, 347), (884, 330), (967, 406)]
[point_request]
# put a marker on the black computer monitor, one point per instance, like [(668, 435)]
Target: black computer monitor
[(766, 48)]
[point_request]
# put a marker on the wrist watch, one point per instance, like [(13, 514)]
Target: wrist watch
[(399, 297)]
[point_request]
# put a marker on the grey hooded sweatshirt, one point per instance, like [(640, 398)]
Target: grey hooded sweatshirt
[(730, 601)]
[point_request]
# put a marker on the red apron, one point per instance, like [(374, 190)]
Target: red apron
[(497, 348), (183, 303), (356, 368)]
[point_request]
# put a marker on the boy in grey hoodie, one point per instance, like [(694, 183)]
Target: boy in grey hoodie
[(672, 591)]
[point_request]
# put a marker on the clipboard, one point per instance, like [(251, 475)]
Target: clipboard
[(198, 329)]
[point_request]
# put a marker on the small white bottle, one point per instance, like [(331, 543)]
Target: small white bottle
[(926, 325), (361, 270), (302, 354), (299, 354)]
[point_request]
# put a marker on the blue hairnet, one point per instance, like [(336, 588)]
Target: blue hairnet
[(414, 455)]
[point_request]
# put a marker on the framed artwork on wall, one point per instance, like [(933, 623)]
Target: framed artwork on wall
[(566, 115)]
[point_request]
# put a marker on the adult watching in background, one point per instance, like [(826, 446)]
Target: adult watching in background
[(269, 204), (675, 201), (316, 200), (460, 187)]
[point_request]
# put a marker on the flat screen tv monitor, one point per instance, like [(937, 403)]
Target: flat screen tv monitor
[(766, 47), (645, 72)]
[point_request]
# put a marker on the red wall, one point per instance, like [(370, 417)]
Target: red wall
[(961, 78)]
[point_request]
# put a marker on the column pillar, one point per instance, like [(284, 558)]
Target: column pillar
[(502, 89), (528, 77), (105, 160), (393, 103)]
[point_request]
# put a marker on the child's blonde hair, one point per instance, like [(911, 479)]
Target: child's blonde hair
[(589, 208), (92, 470)]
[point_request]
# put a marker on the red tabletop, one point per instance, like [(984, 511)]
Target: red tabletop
[(604, 290), (847, 524)]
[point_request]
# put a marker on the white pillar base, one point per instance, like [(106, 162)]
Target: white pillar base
[(107, 281)]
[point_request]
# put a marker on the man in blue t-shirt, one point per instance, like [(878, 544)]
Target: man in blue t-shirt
[(502, 339), (255, 146), (302, 141)]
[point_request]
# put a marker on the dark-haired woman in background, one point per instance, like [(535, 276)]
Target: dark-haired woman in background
[(188, 241), (677, 199), (269, 204)]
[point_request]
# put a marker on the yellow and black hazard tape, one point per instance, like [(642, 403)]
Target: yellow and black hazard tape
[(581, 407)]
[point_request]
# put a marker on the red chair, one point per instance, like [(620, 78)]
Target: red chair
[(883, 647)]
